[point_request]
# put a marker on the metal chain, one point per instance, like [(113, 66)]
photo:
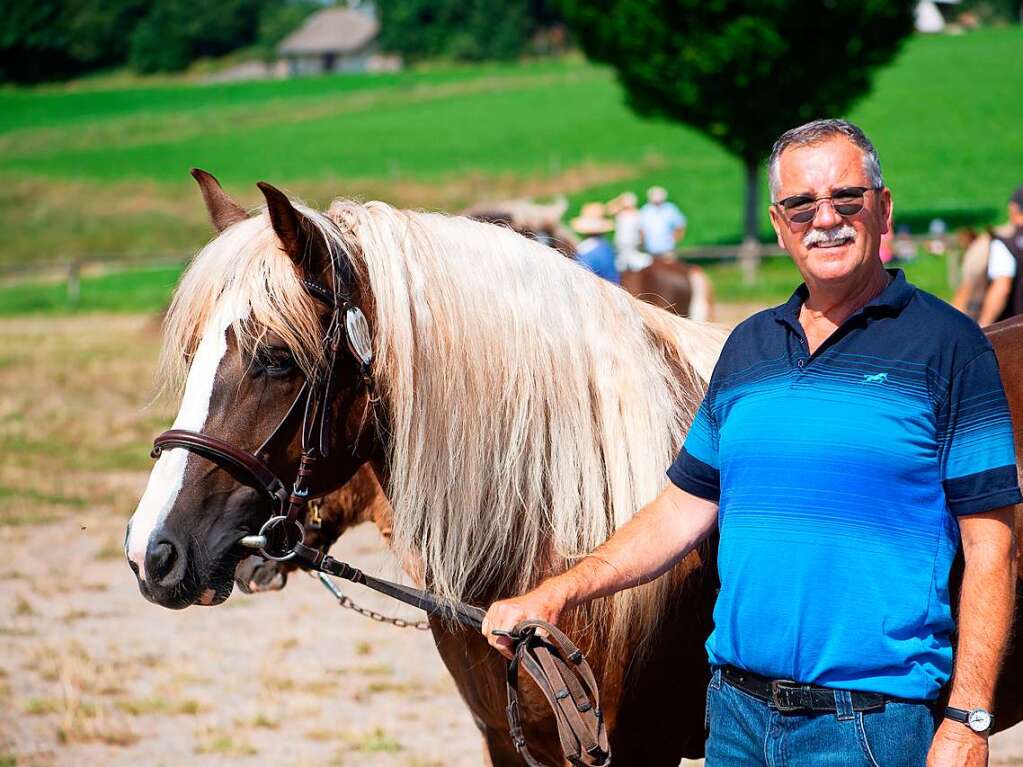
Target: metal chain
[(344, 601)]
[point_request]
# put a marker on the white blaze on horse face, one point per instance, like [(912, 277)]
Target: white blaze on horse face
[(169, 472)]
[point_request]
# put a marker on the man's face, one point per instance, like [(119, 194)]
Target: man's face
[(1015, 214), (831, 247)]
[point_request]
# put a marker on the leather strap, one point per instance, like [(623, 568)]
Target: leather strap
[(543, 651), (224, 453), (792, 697)]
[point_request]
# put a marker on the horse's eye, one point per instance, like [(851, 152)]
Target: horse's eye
[(276, 361)]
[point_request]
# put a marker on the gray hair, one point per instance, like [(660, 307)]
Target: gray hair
[(816, 132)]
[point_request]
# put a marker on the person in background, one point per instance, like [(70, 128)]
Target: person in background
[(628, 233), (973, 281), (595, 251), (1004, 296), (663, 224)]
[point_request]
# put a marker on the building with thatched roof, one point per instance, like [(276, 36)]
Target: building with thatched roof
[(334, 40)]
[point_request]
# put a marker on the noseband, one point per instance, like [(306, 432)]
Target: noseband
[(313, 403)]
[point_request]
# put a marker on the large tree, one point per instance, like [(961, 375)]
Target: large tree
[(742, 71)]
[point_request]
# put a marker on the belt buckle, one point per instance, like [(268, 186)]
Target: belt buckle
[(779, 686)]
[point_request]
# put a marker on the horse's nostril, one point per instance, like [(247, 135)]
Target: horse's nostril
[(160, 560)]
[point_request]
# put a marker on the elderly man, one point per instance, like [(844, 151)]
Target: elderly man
[(1004, 297), (849, 441)]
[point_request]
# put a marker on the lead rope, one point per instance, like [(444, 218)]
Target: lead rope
[(544, 652)]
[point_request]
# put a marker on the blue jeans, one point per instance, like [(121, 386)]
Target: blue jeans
[(744, 731)]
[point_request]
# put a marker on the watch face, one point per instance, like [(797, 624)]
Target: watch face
[(979, 720)]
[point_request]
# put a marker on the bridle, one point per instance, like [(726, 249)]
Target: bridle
[(555, 664), (314, 404)]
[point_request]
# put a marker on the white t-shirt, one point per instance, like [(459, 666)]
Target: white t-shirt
[(1000, 262)]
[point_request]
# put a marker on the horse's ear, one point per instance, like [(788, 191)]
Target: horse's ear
[(298, 236), (222, 209)]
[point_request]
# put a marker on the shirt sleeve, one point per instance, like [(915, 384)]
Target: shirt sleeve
[(1000, 262), (696, 468), (978, 458)]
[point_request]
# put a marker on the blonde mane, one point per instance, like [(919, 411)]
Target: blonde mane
[(531, 408)]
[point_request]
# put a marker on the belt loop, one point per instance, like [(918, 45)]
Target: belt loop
[(715, 678), (844, 706)]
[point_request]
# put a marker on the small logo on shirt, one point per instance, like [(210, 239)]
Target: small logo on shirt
[(878, 378)]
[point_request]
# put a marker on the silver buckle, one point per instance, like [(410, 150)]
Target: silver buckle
[(779, 685)]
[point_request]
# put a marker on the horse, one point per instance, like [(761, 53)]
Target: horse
[(498, 406), (534, 220), (1007, 339), (678, 287)]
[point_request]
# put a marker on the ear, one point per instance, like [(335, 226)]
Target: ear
[(222, 209), (299, 238), (777, 222)]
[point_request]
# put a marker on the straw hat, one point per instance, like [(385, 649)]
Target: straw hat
[(624, 201), (592, 220)]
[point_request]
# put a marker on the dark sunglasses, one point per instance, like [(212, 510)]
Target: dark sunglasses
[(802, 209)]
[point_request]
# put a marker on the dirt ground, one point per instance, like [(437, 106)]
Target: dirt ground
[(92, 674)]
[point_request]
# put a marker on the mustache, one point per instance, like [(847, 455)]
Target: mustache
[(828, 236)]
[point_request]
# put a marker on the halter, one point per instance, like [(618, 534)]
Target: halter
[(556, 665)]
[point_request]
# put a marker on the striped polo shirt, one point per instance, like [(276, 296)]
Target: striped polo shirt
[(839, 477)]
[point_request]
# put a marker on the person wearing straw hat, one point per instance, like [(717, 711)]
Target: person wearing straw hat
[(595, 251), (628, 233)]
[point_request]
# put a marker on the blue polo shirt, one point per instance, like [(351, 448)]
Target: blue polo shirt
[(839, 477)]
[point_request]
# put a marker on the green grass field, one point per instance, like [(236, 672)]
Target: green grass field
[(100, 174)]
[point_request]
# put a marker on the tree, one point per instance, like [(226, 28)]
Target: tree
[(742, 71), (465, 30), (176, 32)]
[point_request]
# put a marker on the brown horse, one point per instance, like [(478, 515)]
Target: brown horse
[(1007, 339), (493, 409), (678, 287)]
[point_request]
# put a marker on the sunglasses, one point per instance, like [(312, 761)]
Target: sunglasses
[(802, 208)]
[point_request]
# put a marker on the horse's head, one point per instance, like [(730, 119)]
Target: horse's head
[(252, 324)]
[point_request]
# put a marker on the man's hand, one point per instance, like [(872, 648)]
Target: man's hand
[(542, 603), (956, 745)]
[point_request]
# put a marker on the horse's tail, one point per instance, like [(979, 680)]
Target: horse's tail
[(701, 305)]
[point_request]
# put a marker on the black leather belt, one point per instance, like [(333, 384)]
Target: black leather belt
[(792, 697)]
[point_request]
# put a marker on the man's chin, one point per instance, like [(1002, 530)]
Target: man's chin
[(834, 264)]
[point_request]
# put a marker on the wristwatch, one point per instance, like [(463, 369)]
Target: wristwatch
[(977, 720)]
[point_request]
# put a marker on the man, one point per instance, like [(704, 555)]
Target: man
[(1004, 297), (595, 251), (849, 440), (663, 224)]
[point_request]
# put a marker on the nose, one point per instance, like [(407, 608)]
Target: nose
[(165, 566), (827, 217)]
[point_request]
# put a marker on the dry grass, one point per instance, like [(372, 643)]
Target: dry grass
[(76, 708), (214, 740), (74, 423), (161, 706), (374, 741)]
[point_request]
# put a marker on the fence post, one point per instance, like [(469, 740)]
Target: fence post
[(74, 282)]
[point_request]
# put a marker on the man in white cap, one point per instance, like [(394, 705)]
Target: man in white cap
[(595, 251), (663, 224)]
